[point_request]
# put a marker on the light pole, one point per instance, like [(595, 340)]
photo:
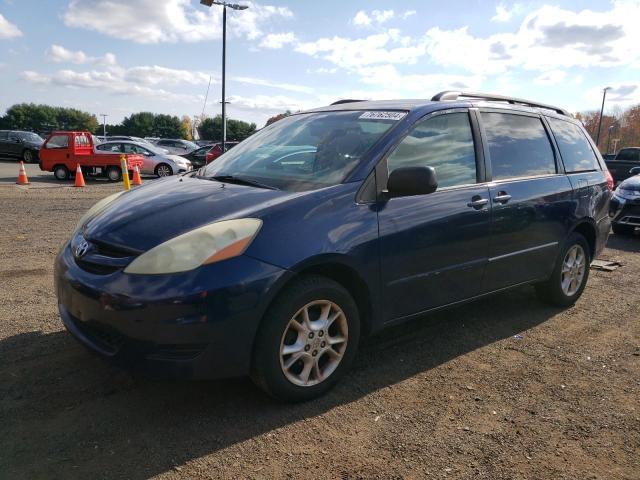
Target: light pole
[(104, 124), (233, 6), (604, 95), (609, 137)]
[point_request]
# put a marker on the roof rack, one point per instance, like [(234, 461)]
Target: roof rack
[(455, 95), (346, 100)]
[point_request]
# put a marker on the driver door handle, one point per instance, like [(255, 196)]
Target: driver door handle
[(502, 197), (477, 202)]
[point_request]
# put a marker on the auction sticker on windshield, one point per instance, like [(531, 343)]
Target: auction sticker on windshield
[(383, 115)]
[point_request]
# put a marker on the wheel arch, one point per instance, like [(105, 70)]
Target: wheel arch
[(587, 228), (339, 269)]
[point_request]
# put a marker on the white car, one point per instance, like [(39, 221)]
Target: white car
[(156, 162), (177, 146)]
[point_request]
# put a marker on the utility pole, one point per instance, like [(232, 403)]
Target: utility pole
[(104, 124), (604, 95), (233, 6)]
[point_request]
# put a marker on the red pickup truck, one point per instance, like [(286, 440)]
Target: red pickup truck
[(63, 151)]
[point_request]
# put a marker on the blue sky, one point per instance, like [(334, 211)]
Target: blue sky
[(122, 56)]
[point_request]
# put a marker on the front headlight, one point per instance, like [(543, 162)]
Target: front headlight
[(97, 208), (209, 244)]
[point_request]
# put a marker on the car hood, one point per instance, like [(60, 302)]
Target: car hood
[(150, 215), (631, 183), (177, 158)]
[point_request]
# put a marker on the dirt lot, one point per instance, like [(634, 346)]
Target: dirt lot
[(502, 388)]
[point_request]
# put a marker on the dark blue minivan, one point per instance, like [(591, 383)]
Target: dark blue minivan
[(328, 225)]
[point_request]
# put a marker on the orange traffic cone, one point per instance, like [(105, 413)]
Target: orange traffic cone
[(79, 177), (136, 176), (22, 175)]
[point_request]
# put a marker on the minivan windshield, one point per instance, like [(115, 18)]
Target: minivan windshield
[(305, 151)]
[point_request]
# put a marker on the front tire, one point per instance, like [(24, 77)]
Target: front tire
[(163, 170), (570, 275), (61, 172), (620, 229), (307, 340)]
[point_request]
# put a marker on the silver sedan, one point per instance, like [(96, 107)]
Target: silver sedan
[(156, 162)]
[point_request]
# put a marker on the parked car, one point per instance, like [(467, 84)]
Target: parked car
[(198, 157), (176, 146), (156, 162), (21, 145), (624, 161), (141, 141), (625, 204), (216, 150), (332, 224), (63, 151), (608, 156)]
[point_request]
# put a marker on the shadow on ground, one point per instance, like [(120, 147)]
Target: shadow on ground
[(64, 413)]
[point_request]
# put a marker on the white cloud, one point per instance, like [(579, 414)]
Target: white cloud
[(504, 14), (158, 21), (621, 93), (59, 54), (387, 47), (277, 40), (549, 38), (8, 29), (552, 77), (364, 19), (407, 14)]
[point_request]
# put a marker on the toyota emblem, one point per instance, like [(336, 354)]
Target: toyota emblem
[(82, 248)]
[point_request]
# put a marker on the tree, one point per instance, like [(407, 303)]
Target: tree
[(237, 130), (45, 118), (275, 118), (625, 127)]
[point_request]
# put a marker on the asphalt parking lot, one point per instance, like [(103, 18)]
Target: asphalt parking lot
[(504, 388)]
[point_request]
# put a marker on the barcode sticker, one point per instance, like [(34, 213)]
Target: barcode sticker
[(383, 115)]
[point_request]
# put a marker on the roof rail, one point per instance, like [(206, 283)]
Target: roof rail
[(455, 95), (346, 100)]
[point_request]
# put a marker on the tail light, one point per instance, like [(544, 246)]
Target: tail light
[(609, 180)]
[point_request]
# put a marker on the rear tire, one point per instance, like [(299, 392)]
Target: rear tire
[(114, 174), (28, 156), (620, 229), (317, 320), (61, 172), (570, 274)]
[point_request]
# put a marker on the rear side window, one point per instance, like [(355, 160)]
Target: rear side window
[(58, 141), (577, 154), (444, 142), (518, 146), (629, 154), (109, 147)]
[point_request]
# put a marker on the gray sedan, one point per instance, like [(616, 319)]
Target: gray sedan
[(156, 162)]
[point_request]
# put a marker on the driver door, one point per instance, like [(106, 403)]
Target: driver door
[(434, 247)]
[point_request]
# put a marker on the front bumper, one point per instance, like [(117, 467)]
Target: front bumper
[(625, 212), (198, 324)]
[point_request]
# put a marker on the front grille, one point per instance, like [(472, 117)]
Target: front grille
[(101, 258), (105, 337), (177, 352)]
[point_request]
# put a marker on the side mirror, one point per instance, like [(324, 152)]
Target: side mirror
[(408, 181), (635, 171)]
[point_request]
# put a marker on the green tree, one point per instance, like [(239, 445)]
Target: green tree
[(44, 118), (139, 124), (237, 130)]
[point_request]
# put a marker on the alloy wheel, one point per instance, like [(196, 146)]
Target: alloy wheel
[(163, 170), (313, 343), (573, 269)]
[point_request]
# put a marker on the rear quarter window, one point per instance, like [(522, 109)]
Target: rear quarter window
[(58, 141), (518, 146), (575, 150)]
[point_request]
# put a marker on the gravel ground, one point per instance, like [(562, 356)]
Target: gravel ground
[(501, 388)]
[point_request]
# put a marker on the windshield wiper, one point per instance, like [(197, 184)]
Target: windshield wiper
[(241, 181)]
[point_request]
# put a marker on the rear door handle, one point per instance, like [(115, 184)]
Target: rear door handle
[(502, 197), (477, 202)]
